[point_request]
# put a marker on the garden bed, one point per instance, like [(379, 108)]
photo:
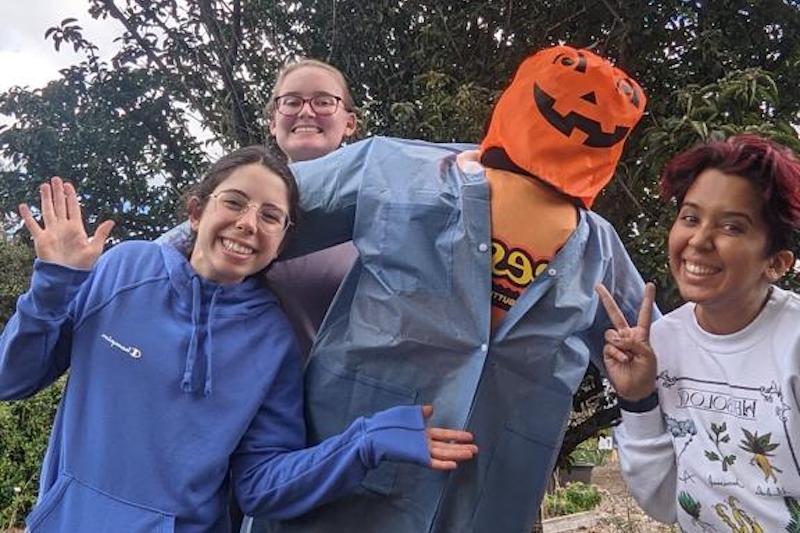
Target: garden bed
[(583, 521)]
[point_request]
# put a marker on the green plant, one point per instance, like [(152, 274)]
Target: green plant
[(587, 453), (24, 425), (16, 260), (761, 447), (574, 498), (720, 436), (24, 429)]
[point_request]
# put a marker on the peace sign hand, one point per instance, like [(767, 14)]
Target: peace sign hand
[(629, 359), (63, 239)]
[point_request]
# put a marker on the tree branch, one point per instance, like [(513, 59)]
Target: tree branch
[(147, 49), (228, 55)]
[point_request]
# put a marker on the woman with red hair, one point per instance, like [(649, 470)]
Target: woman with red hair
[(710, 396)]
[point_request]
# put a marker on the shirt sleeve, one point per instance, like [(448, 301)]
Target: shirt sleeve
[(329, 189), (35, 346), (333, 188), (276, 476), (647, 460)]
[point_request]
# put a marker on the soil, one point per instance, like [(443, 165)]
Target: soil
[(618, 511)]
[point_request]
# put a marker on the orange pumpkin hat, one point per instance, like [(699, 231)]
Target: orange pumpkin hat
[(564, 119)]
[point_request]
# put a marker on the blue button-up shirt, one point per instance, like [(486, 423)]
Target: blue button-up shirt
[(412, 324)]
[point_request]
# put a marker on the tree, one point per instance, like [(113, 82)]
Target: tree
[(115, 133)]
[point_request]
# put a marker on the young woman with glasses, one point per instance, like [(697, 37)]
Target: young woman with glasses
[(184, 376), (311, 110), (310, 113)]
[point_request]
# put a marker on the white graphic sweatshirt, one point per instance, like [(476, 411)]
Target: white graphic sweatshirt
[(722, 450)]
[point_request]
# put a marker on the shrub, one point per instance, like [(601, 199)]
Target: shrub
[(16, 263), (587, 453), (24, 425), (24, 429), (574, 498)]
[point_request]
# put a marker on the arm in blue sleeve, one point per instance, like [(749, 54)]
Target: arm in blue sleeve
[(35, 344), (329, 188), (274, 475)]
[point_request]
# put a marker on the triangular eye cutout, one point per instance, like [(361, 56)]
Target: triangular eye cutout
[(590, 97)]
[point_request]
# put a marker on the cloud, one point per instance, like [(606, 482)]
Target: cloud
[(26, 58)]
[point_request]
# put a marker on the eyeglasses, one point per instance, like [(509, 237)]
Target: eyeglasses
[(270, 219), (322, 104)]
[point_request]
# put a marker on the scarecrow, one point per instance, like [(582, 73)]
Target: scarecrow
[(473, 291)]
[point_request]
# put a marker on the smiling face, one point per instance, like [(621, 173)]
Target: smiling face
[(307, 135), (230, 246), (718, 251)]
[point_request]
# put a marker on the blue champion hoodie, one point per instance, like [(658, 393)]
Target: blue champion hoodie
[(173, 382)]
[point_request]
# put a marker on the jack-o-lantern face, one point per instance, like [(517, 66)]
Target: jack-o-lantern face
[(565, 118), (573, 118)]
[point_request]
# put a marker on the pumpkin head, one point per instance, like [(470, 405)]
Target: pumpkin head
[(565, 118)]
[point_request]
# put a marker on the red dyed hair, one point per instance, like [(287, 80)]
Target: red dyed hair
[(773, 169)]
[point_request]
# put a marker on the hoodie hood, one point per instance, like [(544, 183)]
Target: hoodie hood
[(206, 301), (564, 119)]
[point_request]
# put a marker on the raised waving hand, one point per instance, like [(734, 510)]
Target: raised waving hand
[(629, 359), (63, 238)]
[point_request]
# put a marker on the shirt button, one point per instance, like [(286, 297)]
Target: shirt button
[(482, 247), (552, 271), (484, 348)]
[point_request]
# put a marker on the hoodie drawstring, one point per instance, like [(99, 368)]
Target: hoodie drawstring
[(209, 344), (191, 354)]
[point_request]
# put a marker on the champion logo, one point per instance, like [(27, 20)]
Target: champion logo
[(134, 352)]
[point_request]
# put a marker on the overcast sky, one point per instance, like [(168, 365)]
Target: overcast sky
[(26, 58)]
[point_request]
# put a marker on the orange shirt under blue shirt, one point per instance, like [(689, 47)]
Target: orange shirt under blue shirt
[(530, 224)]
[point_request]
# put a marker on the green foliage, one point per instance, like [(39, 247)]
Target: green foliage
[(574, 498), (16, 263), (441, 107), (794, 512), (720, 436), (741, 101), (689, 504), (114, 133), (24, 425), (759, 445), (587, 453), (24, 430)]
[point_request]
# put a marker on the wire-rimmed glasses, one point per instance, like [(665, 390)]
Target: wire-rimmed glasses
[(270, 219)]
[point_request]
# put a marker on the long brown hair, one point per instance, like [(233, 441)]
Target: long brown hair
[(198, 195)]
